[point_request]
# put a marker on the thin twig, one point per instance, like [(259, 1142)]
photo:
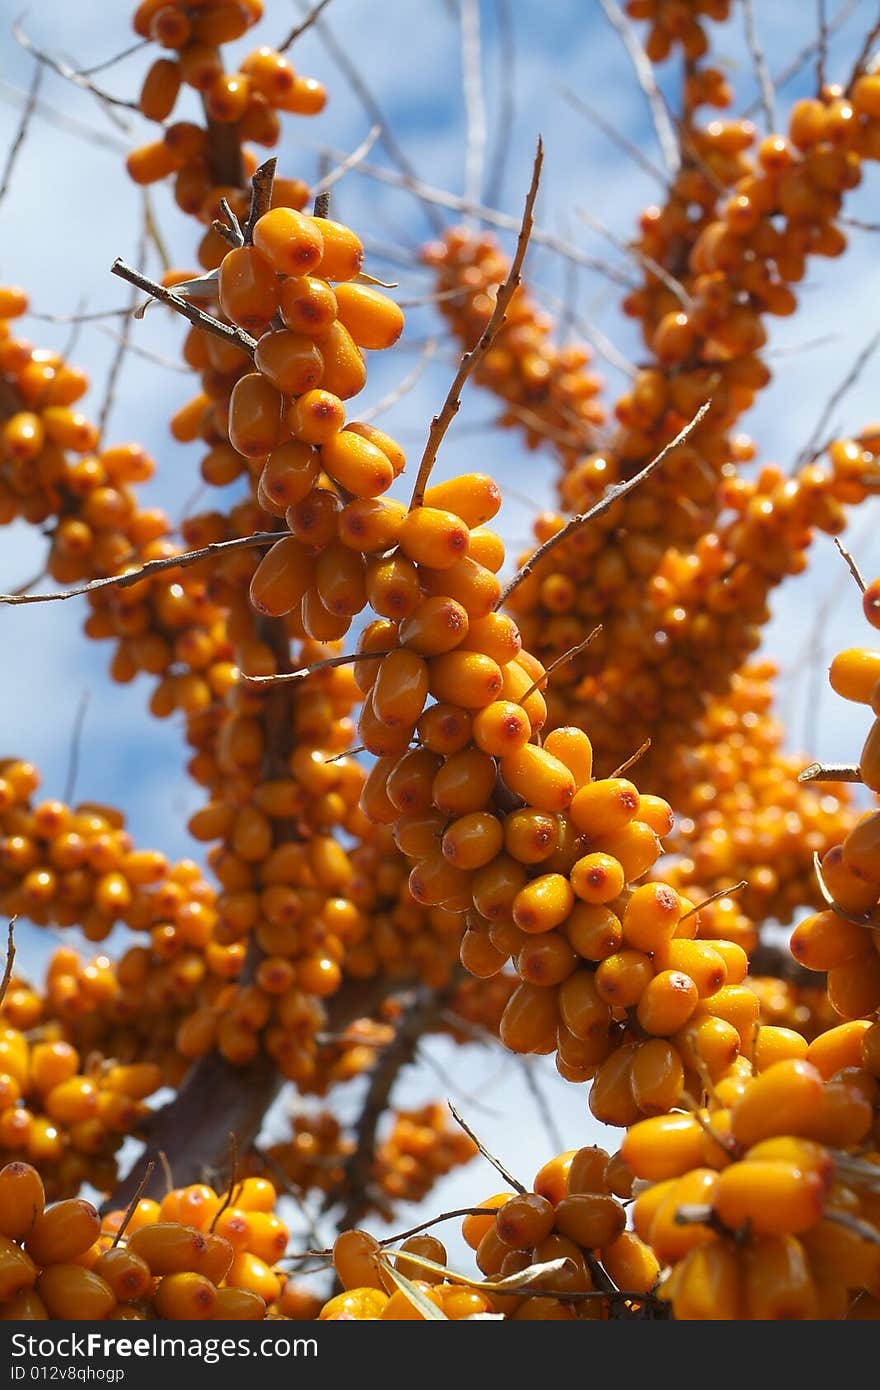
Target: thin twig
[(795, 64), (830, 772), (852, 1223), (812, 449), (71, 125), (548, 1119), (632, 759), (607, 500), (70, 74), (560, 661), (474, 103), (124, 337), (821, 44), (351, 162), (409, 381), (261, 196), (133, 1204), (713, 897), (354, 76), (183, 306), (865, 52), (23, 126), (490, 1157), (117, 58), (505, 43), (76, 733), (759, 60), (644, 70), (470, 360), (10, 958), (134, 576), (617, 137), (646, 262), (301, 28), (348, 659), (859, 224), (851, 564)]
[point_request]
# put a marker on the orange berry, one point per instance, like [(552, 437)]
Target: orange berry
[(291, 361), (373, 320), (291, 241), (597, 878), (342, 254)]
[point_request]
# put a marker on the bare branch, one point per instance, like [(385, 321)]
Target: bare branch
[(183, 306), (83, 130), (327, 664), (351, 162), (474, 103), (644, 70), (616, 136), (713, 897), (559, 661), (135, 576), (646, 262), (607, 500), (821, 44), (70, 74), (632, 759), (10, 958), (117, 58), (865, 52), (830, 772), (547, 1118), (261, 196), (76, 733), (505, 43), (307, 23), (490, 1157), (759, 61), (851, 564), (504, 294), (813, 448), (23, 126), (794, 66), (132, 1206)]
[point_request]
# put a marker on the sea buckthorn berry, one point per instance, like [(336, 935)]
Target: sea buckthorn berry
[(854, 988), (529, 835), (650, 917), (854, 673), (468, 679), (474, 1227), (464, 783), (546, 960), (525, 1221), (657, 1077), (664, 1146), (248, 288), (160, 89), (590, 1219), (370, 524), (587, 1170), (583, 1010), (254, 416), (869, 760), (17, 1269), (667, 1002), (185, 1297), (501, 728), (281, 578), (636, 848), (604, 807), (826, 940), (289, 474), (707, 1285), (445, 729), (354, 1259), (780, 1100), (433, 537), (429, 1248), (478, 954), (697, 959), (597, 878), (737, 1005), (373, 320), (834, 1049), (474, 497), (543, 903), (291, 241), (437, 625), (356, 1304), (75, 1294), (22, 1199), (541, 780), (308, 305), (291, 361), (357, 465), (708, 1046), (340, 579), (529, 1021), (342, 254), (777, 1282), (400, 689), (410, 781), (631, 1263), (127, 1274), (611, 1099), (63, 1232), (345, 371), (471, 841), (572, 747), (495, 886), (670, 1239), (776, 1198)]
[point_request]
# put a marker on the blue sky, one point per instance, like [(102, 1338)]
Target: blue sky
[(70, 211)]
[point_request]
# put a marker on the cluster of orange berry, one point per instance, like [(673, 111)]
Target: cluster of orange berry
[(190, 1257), (209, 162), (743, 814), (763, 1205), (844, 937), (549, 391), (677, 24), (369, 1292)]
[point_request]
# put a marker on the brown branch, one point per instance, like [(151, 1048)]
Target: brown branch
[(117, 58), (70, 74), (490, 1157), (617, 137), (713, 897), (351, 162), (821, 45), (812, 448), (196, 316), (830, 772), (347, 660), (132, 1206), (632, 759), (360, 1167), (851, 564), (505, 44), (759, 61), (261, 196), (607, 500), (560, 661), (644, 70), (171, 562), (10, 958), (440, 423), (23, 127), (75, 745), (865, 52), (301, 28)]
